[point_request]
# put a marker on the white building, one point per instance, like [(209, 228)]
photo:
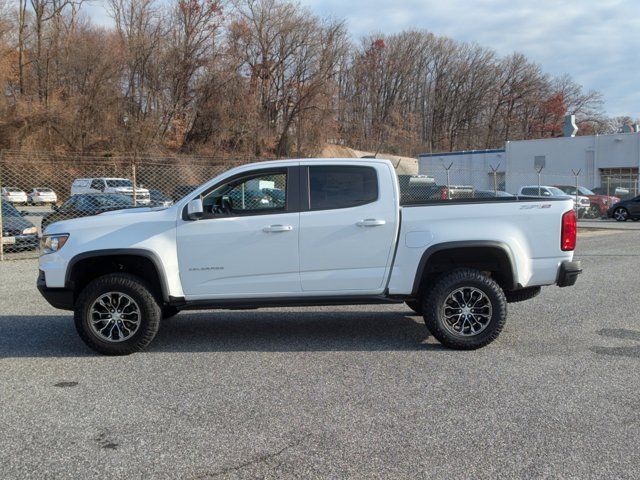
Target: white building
[(605, 161)]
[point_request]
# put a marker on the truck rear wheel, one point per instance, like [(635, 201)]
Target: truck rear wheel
[(465, 309), (117, 314)]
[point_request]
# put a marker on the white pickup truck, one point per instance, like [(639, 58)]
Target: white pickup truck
[(307, 232)]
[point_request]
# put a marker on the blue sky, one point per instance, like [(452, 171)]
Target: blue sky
[(597, 42)]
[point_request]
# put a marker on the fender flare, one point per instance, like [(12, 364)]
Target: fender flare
[(114, 252), (493, 244)]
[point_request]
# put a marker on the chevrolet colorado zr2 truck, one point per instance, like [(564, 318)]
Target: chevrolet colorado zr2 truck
[(307, 233)]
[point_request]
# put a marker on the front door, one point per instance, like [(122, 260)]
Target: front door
[(246, 245)]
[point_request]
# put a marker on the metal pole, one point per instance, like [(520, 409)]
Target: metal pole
[(576, 174), (495, 178), (539, 170), (449, 181), (135, 183)]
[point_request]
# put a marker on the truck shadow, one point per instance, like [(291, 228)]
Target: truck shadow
[(232, 331)]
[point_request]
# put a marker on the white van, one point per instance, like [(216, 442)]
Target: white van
[(121, 186)]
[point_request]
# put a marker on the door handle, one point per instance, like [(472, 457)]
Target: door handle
[(371, 222), (278, 228)]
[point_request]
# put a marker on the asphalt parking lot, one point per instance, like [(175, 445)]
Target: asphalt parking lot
[(334, 392)]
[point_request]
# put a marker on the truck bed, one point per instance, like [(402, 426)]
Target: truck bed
[(529, 229)]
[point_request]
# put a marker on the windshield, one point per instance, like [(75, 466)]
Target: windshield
[(585, 191), (556, 192), (13, 190), (9, 210), (43, 190), (119, 183), (113, 200)]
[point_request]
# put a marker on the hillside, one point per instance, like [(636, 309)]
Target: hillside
[(404, 165)]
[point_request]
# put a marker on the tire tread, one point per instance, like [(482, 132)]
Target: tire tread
[(442, 288), (148, 304)]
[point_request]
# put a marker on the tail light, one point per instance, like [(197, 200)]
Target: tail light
[(569, 231), (443, 193)]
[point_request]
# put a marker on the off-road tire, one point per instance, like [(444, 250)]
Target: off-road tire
[(140, 292), (434, 303), (522, 294)]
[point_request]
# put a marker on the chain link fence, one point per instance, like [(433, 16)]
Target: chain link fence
[(39, 189)]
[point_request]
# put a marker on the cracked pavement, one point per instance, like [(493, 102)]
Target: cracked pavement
[(334, 392)]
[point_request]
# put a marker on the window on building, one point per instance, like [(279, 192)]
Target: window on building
[(621, 182)]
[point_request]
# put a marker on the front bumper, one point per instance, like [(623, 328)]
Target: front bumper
[(568, 273), (61, 298)]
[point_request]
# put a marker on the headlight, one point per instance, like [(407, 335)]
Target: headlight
[(29, 231), (53, 243)]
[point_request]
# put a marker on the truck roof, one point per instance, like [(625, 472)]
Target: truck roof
[(317, 160)]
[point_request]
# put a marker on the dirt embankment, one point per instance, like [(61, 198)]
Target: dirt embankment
[(404, 165)]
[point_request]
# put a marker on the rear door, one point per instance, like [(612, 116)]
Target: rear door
[(347, 227)]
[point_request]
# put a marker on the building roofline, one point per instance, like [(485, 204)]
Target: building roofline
[(460, 152)]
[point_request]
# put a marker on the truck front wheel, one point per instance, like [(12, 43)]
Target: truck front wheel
[(117, 314), (465, 309)]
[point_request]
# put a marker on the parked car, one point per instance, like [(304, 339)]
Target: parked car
[(625, 210), (491, 194), (42, 196), (420, 190), (599, 203), (275, 195), (159, 199), (86, 204), (14, 195), (620, 192), (182, 190), (341, 238), (547, 191), (18, 233), (119, 186)]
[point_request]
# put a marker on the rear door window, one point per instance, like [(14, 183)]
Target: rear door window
[(341, 186)]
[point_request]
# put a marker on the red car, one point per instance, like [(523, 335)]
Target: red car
[(599, 203)]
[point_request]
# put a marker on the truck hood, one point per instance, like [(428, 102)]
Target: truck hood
[(112, 219), (604, 199), (131, 211), (129, 190)]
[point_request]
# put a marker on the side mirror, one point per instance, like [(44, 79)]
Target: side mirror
[(546, 194), (195, 210)]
